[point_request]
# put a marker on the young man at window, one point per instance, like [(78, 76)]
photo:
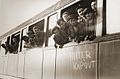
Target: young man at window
[(15, 44), (39, 36), (71, 21), (27, 42), (31, 36)]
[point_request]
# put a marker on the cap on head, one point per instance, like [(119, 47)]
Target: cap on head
[(65, 13), (59, 21), (30, 32)]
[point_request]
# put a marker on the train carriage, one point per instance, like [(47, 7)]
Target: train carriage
[(90, 59)]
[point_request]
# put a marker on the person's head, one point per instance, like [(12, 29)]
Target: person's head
[(55, 30), (30, 34), (3, 45), (60, 22), (36, 29), (66, 16), (25, 38), (94, 5), (14, 39), (88, 16), (80, 11)]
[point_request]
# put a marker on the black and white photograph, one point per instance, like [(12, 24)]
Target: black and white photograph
[(59, 39)]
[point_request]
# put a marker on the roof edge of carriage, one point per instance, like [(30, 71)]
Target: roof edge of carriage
[(40, 15)]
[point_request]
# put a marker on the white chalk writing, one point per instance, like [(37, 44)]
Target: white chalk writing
[(83, 60), (84, 65)]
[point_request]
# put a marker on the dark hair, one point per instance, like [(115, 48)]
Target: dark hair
[(59, 20), (30, 32), (68, 13), (25, 38), (3, 45), (36, 27), (55, 28)]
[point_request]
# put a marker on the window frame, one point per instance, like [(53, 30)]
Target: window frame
[(19, 37), (47, 29), (39, 23), (21, 41), (3, 42)]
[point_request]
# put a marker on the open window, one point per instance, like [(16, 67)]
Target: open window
[(23, 35), (81, 18), (4, 45), (35, 35), (52, 22), (39, 33), (78, 22), (14, 45), (11, 44)]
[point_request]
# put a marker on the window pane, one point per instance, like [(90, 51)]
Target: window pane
[(3, 49), (38, 30), (113, 16), (52, 24), (52, 21), (23, 42), (99, 25), (35, 35), (15, 41)]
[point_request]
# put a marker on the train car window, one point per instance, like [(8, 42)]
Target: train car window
[(23, 39), (52, 22), (5, 45), (77, 23), (80, 19), (39, 33), (35, 35), (15, 40), (112, 16), (0, 45)]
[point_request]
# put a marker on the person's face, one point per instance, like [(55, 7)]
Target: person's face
[(14, 39), (26, 39), (80, 11), (65, 17), (73, 21), (88, 16), (36, 30), (31, 35), (55, 31), (93, 5), (62, 23)]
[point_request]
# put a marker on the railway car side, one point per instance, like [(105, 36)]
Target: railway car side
[(90, 58)]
